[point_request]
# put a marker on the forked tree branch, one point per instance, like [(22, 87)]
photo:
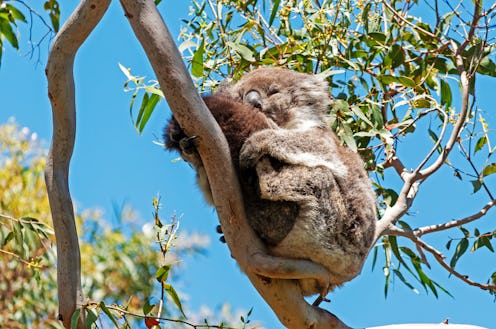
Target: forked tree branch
[(412, 179), (283, 296), (414, 236), (59, 73)]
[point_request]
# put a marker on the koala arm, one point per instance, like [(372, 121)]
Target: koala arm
[(269, 142), (306, 148)]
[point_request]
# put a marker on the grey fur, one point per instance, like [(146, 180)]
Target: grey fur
[(305, 195)]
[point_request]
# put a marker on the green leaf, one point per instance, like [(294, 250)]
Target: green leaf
[(75, 318), (7, 31), (489, 169), (162, 273), (275, 8), (487, 67), (18, 235), (154, 90), (387, 274), (395, 56), (175, 298), (7, 239), (448, 244), (16, 14), (197, 61), (358, 112), (483, 241), (477, 184), (148, 307), (91, 318), (434, 138), (146, 111), (480, 144), (446, 96), (461, 248), (375, 39), (390, 197), (347, 137), (242, 51), (52, 6), (405, 81), (374, 258), (109, 314), (405, 282)]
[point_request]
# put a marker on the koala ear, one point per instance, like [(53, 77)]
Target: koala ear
[(254, 98), (226, 88)]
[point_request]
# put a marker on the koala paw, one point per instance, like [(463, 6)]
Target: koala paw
[(187, 145), (253, 150)]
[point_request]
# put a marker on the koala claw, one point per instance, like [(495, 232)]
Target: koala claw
[(187, 145)]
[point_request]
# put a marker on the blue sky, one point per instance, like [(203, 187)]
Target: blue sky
[(112, 164)]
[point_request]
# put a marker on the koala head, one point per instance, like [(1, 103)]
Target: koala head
[(290, 99)]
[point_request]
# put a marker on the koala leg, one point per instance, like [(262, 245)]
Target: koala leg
[(282, 182), (287, 268)]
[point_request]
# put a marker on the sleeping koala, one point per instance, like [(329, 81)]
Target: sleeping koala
[(305, 195)]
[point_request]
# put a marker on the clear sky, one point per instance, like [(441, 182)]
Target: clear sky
[(112, 164)]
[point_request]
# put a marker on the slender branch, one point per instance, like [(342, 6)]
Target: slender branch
[(410, 186), (403, 19), (436, 145), (460, 123), (123, 311), (62, 97), (440, 258), (476, 171), (284, 296), (22, 260), (25, 221), (473, 26), (221, 29), (454, 223), (398, 166)]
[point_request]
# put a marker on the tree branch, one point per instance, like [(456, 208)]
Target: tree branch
[(410, 234), (454, 223), (411, 180), (283, 296), (61, 93)]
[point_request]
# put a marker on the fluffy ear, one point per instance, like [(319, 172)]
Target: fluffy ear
[(225, 88), (312, 90)]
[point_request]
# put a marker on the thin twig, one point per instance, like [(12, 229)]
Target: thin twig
[(440, 259), (454, 223), (436, 145), (19, 258), (409, 234), (415, 27), (158, 318)]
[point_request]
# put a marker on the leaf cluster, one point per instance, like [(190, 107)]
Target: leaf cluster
[(14, 12)]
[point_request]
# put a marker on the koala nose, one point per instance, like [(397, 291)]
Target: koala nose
[(253, 97)]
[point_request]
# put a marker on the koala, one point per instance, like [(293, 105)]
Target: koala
[(306, 196)]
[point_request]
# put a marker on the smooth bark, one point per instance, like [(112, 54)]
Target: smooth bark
[(283, 296), (61, 92)]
